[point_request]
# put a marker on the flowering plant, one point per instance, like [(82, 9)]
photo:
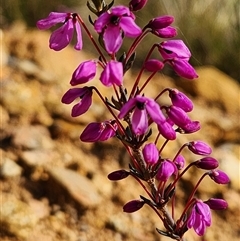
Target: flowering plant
[(134, 114)]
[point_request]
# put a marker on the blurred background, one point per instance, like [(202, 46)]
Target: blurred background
[(210, 28)]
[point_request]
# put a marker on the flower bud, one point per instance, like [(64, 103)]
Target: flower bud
[(219, 177), (136, 5), (99, 131), (199, 148), (160, 22), (216, 203), (168, 32), (84, 72), (153, 65), (191, 127), (166, 130), (118, 175), (180, 100), (207, 163), (183, 68), (166, 170), (178, 116), (179, 162), (150, 154), (133, 206)]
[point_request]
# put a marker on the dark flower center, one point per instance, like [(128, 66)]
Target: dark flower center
[(115, 20)]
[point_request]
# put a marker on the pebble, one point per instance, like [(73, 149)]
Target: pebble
[(32, 137), (10, 168), (79, 187)]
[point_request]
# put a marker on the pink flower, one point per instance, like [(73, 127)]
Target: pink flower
[(168, 32), (112, 73), (61, 37), (174, 49), (85, 95), (160, 22), (143, 107), (219, 177), (200, 218), (112, 23), (153, 65), (84, 72), (99, 131)]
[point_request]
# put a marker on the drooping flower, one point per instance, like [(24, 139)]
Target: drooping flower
[(200, 218), (84, 72), (142, 108), (150, 154), (177, 54), (113, 23), (61, 37), (171, 49), (112, 73), (85, 95), (179, 162), (99, 131), (168, 32)]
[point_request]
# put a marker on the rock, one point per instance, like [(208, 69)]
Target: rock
[(10, 168), (78, 187), (17, 217), (32, 137)]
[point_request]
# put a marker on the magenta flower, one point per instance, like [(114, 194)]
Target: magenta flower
[(180, 100), (112, 23), (142, 107), (183, 68), (150, 154), (216, 203), (112, 73), (166, 170), (176, 53), (200, 218), (99, 131), (153, 65), (171, 49), (136, 5), (84, 72), (219, 177), (85, 95), (199, 148), (61, 37)]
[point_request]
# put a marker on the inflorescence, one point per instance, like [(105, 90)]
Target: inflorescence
[(134, 114)]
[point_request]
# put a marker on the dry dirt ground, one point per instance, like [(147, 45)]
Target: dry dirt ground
[(53, 187)]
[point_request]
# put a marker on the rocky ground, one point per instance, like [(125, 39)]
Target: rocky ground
[(53, 187)]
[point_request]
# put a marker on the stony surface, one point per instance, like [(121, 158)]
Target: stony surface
[(53, 187)]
